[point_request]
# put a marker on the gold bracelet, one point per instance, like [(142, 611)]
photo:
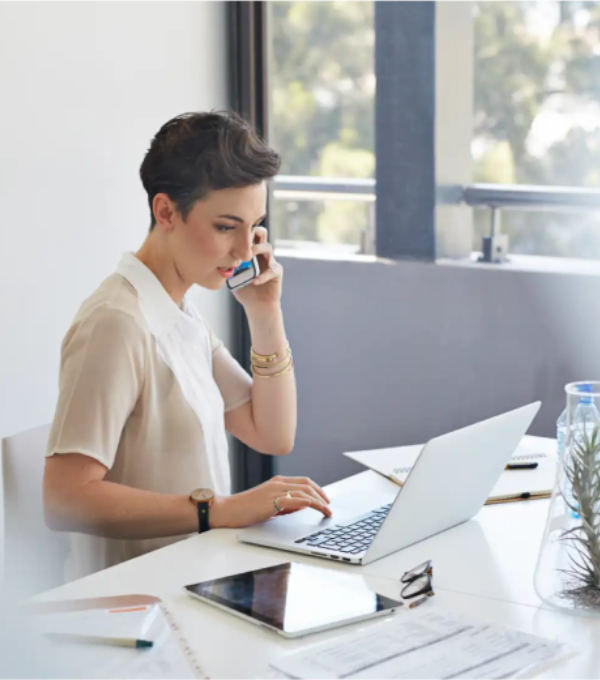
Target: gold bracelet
[(288, 354), (266, 358), (254, 364), (289, 367)]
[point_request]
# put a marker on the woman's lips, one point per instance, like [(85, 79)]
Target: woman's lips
[(227, 273)]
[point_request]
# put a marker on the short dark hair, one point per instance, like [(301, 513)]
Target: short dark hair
[(196, 153)]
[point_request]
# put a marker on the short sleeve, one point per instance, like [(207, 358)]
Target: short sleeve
[(101, 377), (232, 380)]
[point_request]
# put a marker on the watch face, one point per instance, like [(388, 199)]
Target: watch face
[(202, 494)]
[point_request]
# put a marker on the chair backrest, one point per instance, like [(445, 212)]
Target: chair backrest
[(34, 556)]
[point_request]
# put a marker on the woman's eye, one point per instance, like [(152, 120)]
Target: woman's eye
[(224, 227)]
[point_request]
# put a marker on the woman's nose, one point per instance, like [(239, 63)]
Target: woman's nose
[(244, 251)]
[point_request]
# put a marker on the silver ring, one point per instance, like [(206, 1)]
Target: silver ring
[(277, 507)]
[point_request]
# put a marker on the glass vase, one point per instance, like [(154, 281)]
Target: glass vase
[(567, 574)]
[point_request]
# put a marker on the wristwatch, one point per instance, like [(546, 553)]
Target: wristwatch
[(203, 499)]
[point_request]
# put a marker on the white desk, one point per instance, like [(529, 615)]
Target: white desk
[(482, 568)]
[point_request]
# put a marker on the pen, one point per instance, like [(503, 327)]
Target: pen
[(100, 640), (521, 466), (416, 603)]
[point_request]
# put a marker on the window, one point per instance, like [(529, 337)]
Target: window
[(537, 116), (321, 106)]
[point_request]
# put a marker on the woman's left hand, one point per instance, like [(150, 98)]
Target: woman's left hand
[(265, 289)]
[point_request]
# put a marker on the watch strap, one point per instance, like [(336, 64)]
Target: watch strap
[(203, 524)]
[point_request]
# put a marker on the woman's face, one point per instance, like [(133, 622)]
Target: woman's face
[(217, 234)]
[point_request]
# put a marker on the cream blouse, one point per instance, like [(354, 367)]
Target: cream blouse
[(144, 386)]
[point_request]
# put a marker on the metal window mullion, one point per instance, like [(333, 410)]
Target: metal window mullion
[(405, 129), (248, 70)]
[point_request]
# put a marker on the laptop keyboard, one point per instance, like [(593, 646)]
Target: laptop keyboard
[(349, 538)]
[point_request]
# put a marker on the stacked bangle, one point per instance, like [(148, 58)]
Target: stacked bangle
[(268, 361)]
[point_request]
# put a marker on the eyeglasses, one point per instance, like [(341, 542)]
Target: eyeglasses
[(418, 582)]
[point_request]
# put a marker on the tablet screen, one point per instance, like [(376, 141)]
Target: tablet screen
[(295, 597)]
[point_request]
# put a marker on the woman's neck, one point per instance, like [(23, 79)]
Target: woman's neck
[(155, 257)]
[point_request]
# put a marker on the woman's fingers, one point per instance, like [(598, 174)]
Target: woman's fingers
[(288, 512), (260, 235), (299, 500), (272, 273), (269, 268), (296, 493), (301, 488), (304, 481), (264, 249)]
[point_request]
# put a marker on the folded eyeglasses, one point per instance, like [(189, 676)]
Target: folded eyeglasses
[(419, 581)]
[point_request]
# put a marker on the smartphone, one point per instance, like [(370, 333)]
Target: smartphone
[(244, 274)]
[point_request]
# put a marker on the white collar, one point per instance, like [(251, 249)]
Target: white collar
[(183, 343), (159, 308)]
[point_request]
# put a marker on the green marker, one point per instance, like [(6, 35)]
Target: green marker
[(99, 640)]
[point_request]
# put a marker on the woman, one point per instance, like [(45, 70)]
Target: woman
[(137, 456)]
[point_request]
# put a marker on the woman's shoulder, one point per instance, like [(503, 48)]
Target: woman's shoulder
[(113, 308)]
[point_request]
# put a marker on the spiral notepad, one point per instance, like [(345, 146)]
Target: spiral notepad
[(400, 472), (513, 485), (185, 646)]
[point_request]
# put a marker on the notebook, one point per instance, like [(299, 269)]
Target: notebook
[(513, 485), (142, 617)]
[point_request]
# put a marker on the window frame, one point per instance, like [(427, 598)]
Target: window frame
[(246, 24)]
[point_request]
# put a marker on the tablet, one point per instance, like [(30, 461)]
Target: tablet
[(295, 599)]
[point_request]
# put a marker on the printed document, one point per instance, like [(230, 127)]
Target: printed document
[(425, 643)]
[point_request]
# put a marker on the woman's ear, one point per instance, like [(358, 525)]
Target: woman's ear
[(164, 212)]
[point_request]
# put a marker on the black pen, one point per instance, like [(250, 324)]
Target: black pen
[(521, 466)]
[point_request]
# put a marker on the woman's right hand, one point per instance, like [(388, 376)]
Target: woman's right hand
[(258, 504)]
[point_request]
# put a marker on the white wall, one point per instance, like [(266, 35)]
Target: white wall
[(83, 88), (394, 353)]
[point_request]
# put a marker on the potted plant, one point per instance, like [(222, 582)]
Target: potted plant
[(568, 570)]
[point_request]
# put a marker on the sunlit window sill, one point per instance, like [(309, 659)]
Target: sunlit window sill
[(531, 263), (310, 250), (525, 263)]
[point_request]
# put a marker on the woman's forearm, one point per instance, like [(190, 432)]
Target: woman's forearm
[(273, 399), (113, 510)]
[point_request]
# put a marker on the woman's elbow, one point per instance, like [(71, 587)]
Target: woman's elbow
[(53, 518), (65, 516), (282, 448), (66, 492), (274, 447), (65, 511)]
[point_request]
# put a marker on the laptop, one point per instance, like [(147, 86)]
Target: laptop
[(449, 483)]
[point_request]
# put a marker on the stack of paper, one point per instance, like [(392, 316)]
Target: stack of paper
[(429, 643)]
